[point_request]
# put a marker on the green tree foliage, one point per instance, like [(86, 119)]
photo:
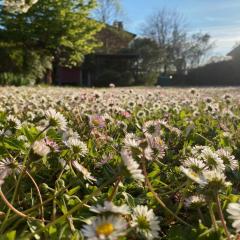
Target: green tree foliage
[(59, 30), (148, 60)]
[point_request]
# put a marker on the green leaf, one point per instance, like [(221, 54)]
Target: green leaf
[(52, 230), (73, 190), (130, 199), (11, 235), (181, 233)]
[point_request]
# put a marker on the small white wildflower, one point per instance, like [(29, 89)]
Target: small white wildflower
[(56, 119), (110, 207), (86, 174), (194, 201), (77, 146), (212, 160), (132, 166), (196, 177), (145, 222), (13, 121), (216, 177), (196, 150), (141, 114), (152, 128), (148, 153), (194, 163), (40, 148), (234, 210), (131, 140), (7, 167), (228, 159), (158, 145), (105, 228)]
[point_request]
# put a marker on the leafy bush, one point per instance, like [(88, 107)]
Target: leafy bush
[(15, 79), (23, 68)]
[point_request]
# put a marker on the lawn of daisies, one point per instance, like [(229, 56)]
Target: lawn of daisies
[(119, 163)]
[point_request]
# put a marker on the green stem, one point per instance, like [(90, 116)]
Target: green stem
[(115, 189), (71, 211), (222, 217), (61, 191), (204, 138), (213, 219), (19, 178), (39, 195), (174, 190), (162, 204), (200, 214), (10, 206)]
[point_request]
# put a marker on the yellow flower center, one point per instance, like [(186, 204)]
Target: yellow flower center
[(143, 222), (105, 229), (194, 174), (95, 122)]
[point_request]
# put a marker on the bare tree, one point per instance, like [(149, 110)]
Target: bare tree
[(178, 50), (197, 47), (108, 11)]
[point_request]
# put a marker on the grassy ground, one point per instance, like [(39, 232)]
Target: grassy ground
[(119, 163)]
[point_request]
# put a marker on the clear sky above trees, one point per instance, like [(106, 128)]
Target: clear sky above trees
[(220, 18)]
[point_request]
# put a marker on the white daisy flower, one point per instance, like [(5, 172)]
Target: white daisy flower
[(141, 114), (97, 121), (212, 159), (194, 163), (110, 207), (234, 210), (69, 133), (86, 174), (132, 166), (196, 200), (148, 153), (131, 104), (77, 146), (156, 143), (40, 148), (105, 228), (152, 128), (131, 140), (196, 177), (56, 119), (7, 167), (228, 159), (196, 150), (216, 177), (145, 222), (13, 121)]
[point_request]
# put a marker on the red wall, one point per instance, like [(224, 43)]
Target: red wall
[(69, 75)]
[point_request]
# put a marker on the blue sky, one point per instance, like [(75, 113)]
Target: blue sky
[(219, 18)]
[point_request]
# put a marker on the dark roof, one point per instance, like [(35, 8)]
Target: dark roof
[(234, 52), (122, 30)]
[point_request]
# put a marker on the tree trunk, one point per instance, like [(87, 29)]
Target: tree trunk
[(49, 77)]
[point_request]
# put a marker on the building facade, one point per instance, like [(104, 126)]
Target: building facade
[(109, 63)]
